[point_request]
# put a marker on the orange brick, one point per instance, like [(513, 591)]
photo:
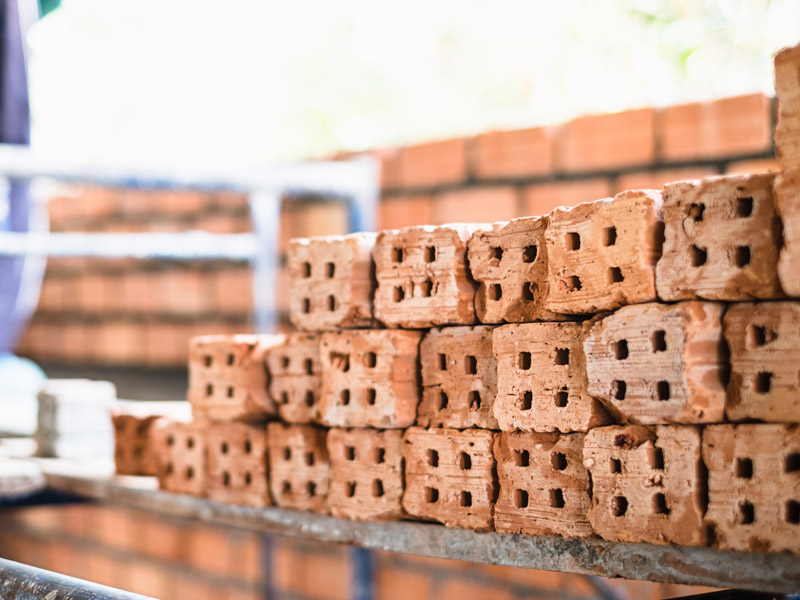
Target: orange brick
[(432, 163), (397, 584), (317, 575), (655, 180), (311, 220), (209, 549), (148, 579), (519, 153), (726, 127), (101, 568), (476, 205), (540, 199), (606, 141), (404, 211), (762, 165), (163, 539)]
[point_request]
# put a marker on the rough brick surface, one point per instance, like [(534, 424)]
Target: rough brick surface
[(366, 474), (299, 469), (370, 378), (134, 443), (658, 363), (786, 189), (648, 484), (764, 343), (228, 378), (423, 278), (459, 378), (602, 254), (787, 88), (721, 239), (753, 486), (541, 379), (450, 476), (180, 449), (509, 262), (295, 377), (237, 464), (331, 281), (544, 487)]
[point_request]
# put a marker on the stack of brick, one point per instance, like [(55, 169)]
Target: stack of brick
[(584, 373)]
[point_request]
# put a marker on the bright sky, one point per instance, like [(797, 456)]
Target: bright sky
[(245, 82)]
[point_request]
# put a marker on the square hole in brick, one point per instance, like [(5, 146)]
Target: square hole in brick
[(526, 400), (350, 489), (209, 389), (306, 308), (464, 461), (557, 498), (572, 241), (759, 335), (305, 268), (330, 270), (372, 396), (470, 365), (370, 360), (655, 458), (397, 255), (349, 452), (615, 465), (529, 253), (308, 366), (696, 211), (398, 293), (619, 506), (286, 488), (521, 498), (744, 207), (609, 236), (558, 460), (442, 362), (377, 488), (432, 457), (224, 447), (310, 459), (659, 341), (573, 283), (248, 446), (561, 398), (793, 512), (699, 255), (427, 288), (431, 495), (287, 454), (309, 398), (443, 400), (207, 360), (662, 391), (465, 500), (741, 256), (746, 513), (331, 303), (744, 468), (529, 291), (497, 253), (380, 456), (658, 504), (614, 275), (763, 382), (311, 488), (791, 463), (618, 389), (620, 349), (430, 253), (226, 478), (230, 391), (474, 399), (344, 397), (524, 361), (562, 356), (522, 458), (340, 361), (495, 291)]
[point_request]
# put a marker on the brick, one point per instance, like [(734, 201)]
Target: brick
[(432, 163), (181, 452), (544, 487), (228, 378), (786, 192), (603, 254), (541, 198), (476, 204), (138, 292), (600, 142), (655, 180), (232, 291), (209, 549), (134, 444), (658, 363), (404, 211), (366, 474), (746, 167), (458, 589), (509, 262), (727, 127), (459, 378), (541, 379), (308, 220), (508, 154), (331, 281), (400, 584), (237, 464), (423, 279), (764, 343), (753, 487), (787, 89), (295, 377), (120, 343), (721, 240), (299, 466), (450, 476), (369, 378), (648, 484)]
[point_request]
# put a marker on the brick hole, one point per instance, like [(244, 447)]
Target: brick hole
[(742, 256), (377, 488), (524, 360), (557, 498), (310, 459), (659, 341), (231, 359), (330, 269), (370, 360), (615, 465), (190, 442), (572, 241), (464, 461), (398, 293), (746, 513), (574, 284), (521, 498), (470, 365), (619, 506), (614, 275), (662, 390), (380, 455), (699, 255), (190, 472), (351, 489), (744, 468), (427, 288), (529, 253), (562, 397), (344, 397), (285, 362), (431, 495), (562, 356), (744, 207), (763, 382), (170, 468), (522, 457), (759, 335), (308, 366), (138, 451), (207, 360), (793, 512), (287, 454), (526, 400), (443, 362), (496, 252), (284, 397), (248, 478), (465, 499), (495, 291), (791, 463), (655, 458), (306, 305), (170, 440), (306, 268), (443, 400), (372, 396), (331, 303), (340, 361), (474, 399), (226, 478), (558, 460), (529, 290), (397, 255), (286, 488), (209, 389), (311, 487), (430, 253), (618, 389), (658, 504), (230, 391), (696, 211), (609, 236), (433, 457), (620, 349), (248, 446), (349, 452)]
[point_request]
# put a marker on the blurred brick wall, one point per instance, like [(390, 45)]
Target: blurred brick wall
[(172, 558), (142, 313)]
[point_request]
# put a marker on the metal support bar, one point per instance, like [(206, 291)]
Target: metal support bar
[(265, 208), (363, 573)]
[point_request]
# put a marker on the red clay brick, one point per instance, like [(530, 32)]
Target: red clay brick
[(432, 164), (180, 448), (517, 153), (299, 466), (237, 464), (295, 377), (480, 204), (404, 211), (727, 127), (133, 452), (787, 88), (539, 199), (401, 584), (786, 192)]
